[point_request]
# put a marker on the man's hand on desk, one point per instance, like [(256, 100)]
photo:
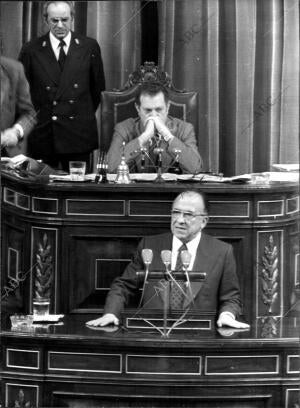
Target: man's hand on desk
[(227, 319), (104, 320)]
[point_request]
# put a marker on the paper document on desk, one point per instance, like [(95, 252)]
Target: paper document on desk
[(67, 177), (287, 167), (210, 178), (288, 176)]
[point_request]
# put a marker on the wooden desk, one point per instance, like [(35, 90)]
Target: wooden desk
[(72, 365), (91, 231)]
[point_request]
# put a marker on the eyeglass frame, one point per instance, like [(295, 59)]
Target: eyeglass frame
[(63, 20), (188, 216)]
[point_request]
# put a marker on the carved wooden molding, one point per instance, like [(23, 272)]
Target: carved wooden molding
[(269, 274), (44, 269)]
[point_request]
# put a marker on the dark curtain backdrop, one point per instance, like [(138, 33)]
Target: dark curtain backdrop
[(242, 56)]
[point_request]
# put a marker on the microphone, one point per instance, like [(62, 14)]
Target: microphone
[(143, 151), (166, 257), (147, 255), (185, 257)]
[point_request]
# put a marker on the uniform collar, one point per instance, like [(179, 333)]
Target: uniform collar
[(55, 41)]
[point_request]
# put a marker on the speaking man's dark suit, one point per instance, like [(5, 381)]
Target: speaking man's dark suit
[(219, 293), (65, 101)]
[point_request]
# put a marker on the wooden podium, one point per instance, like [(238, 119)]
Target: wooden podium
[(71, 365), (88, 233)]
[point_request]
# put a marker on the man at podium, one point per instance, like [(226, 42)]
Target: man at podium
[(154, 129), (220, 292)]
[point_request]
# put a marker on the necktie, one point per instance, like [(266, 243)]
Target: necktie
[(62, 55), (176, 296)]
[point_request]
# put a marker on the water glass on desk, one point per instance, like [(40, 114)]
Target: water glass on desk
[(41, 306), (77, 170)]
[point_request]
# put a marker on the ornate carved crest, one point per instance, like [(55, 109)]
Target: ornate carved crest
[(148, 72)]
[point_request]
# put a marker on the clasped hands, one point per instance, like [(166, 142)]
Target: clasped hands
[(152, 125)]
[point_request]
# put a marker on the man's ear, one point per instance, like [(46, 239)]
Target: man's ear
[(205, 221), (137, 108)]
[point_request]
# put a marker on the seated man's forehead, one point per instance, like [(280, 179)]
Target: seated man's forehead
[(157, 98)]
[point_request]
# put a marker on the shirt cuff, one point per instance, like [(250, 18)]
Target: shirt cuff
[(228, 313), (19, 128)]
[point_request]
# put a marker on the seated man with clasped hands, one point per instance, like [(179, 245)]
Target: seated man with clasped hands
[(219, 292), (154, 128)]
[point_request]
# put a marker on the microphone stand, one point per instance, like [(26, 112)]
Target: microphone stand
[(156, 275)]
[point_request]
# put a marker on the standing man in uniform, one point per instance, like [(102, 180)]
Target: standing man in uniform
[(66, 77)]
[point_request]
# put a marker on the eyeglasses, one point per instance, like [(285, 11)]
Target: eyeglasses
[(188, 216), (63, 20)]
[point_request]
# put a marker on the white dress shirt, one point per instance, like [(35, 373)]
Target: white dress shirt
[(55, 43), (191, 246)]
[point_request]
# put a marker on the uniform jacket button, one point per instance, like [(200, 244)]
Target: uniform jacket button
[(48, 88), (54, 117), (71, 117), (75, 85), (54, 103), (71, 101)]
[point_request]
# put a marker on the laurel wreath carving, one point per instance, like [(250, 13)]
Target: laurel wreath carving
[(269, 274), (43, 270)]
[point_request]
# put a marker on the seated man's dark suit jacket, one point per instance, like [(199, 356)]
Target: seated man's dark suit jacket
[(66, 101), (218, 293)]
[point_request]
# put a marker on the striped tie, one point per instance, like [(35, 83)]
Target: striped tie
[(176, 296)]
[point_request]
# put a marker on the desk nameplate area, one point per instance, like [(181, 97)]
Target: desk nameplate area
[(180, 321), (149, 323)]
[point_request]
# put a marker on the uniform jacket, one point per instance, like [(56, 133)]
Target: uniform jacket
[(65, 101), (130, 129), (218, 293), (16, 106)]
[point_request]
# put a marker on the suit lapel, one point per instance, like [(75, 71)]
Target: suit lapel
[(71, 64), (201, 264), (46, 57)]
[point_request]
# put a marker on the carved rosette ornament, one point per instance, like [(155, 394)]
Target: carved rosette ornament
[(20, 402), (269, 275), (44, 270), (269, 327)]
